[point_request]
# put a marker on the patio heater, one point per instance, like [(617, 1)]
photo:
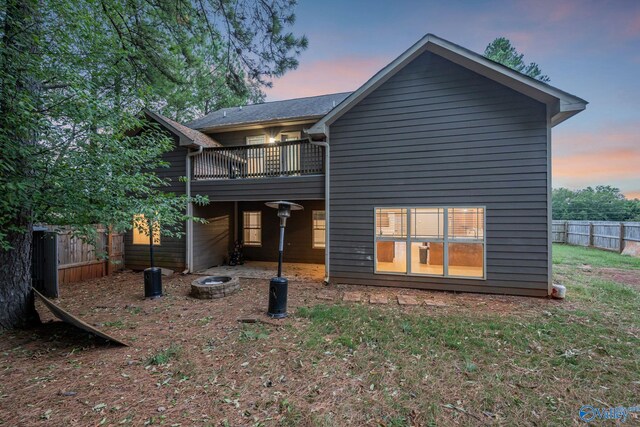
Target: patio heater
[(152, 275), (278, 286)]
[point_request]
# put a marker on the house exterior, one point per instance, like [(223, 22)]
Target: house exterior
[(435, 174)]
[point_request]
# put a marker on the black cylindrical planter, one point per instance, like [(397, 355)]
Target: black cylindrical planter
[(278, 297), (153, 282)]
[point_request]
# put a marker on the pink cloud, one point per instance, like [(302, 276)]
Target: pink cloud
[(523, 41), (560, 11), (601, 166), (633, 29), (608, 155), (632, 194), (609, 136), (550, 25), (325, 76)]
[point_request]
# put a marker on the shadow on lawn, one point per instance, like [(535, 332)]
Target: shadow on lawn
[(56, 336)]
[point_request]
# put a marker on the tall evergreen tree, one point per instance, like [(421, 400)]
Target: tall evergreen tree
[(74, 77), (502, 51)]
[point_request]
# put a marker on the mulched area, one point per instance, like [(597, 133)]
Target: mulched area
[(58, 375)]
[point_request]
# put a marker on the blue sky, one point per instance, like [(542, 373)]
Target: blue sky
[(588, 48)]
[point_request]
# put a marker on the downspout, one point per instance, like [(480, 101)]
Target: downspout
[(189, 222), (327, 204)]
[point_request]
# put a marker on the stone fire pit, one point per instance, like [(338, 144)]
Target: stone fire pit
[(211, 287)]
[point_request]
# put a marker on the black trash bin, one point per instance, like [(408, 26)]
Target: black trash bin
[(424, 254), (278, 297), (153, 282)]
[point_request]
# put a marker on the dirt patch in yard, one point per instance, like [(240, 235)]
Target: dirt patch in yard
[(626, 277), (191, 362)]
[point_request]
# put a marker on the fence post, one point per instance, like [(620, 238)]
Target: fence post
[(566, 232), (590, 234), (109, 251), (621, 243)]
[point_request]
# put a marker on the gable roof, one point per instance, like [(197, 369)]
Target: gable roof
[(563, 105), (187, 136), (290, 110)]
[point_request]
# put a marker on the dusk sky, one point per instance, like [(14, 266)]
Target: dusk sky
[(588, 48)]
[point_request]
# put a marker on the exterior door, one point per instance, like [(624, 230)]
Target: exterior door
[(255, 156), (290, 154)]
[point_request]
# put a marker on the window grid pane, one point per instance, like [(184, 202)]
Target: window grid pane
[(427, 258), (319, 226), (391, 257), (252, 228), (466, 259), (427, 223), (466, 223), (391, 222)]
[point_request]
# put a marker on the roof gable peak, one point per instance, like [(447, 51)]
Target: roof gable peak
[(563, 104)]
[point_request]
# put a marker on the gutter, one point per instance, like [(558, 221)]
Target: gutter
[(189, 222), (327, 204)]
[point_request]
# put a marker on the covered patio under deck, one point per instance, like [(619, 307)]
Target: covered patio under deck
[(258, 227), (294, 271)]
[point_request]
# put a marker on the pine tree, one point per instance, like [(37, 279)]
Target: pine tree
[(500, 50), (74, 77)]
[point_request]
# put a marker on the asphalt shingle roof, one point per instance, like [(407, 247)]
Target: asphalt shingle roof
[(196, 136), (193, 135), (290, 109)]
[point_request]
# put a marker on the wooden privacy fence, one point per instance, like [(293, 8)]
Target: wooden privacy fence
[(609, 235), (78, 260)]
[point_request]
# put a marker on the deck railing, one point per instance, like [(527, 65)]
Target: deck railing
[(290, 158)]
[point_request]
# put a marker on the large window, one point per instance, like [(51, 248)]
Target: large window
[(433, 241), (141, 231), (319, 226), (252, 228)]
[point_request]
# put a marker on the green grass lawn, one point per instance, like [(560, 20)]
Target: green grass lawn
[(566, 255), (533, 368)]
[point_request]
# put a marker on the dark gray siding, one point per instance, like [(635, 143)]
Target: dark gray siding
[(308, 187), (436, 134), (212, 241), (171, 252), (235, 138), (297, 240)]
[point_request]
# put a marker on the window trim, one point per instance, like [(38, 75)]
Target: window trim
[(289, 132), (445, 240), (313, 229), (263, 136), (244, 227)]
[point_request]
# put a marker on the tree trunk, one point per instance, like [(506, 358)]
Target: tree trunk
[(19, 98), (16, 297)]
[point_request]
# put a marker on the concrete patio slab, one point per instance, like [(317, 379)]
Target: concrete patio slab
[(408, 300), (295, 272), (352, 297), (436, 303), (326, 296), (379, 299)]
